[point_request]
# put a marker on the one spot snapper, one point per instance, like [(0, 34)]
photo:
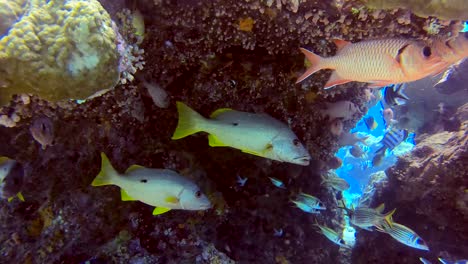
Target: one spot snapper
[(257, 134), (162, 188)]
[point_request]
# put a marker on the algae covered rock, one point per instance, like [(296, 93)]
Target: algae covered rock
[(453, 9), (56, 49)]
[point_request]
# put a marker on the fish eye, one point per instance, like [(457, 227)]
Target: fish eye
[(198, 194), (427, 51), (419, 241), (296, 142)]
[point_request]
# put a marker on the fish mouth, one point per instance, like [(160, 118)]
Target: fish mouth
[(303, 160)]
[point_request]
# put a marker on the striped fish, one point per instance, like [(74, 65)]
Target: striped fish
[(378, 62), (331, 235), (394, 95), (366, 217), (308, 203), (403, 235), (393, 138), (335, 182)]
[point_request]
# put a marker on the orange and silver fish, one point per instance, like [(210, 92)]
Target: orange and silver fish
[(378, 62)]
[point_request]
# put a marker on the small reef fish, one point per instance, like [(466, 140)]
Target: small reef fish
[(11, 179), (336, 127), (162, 188), (393, 138), (462, 261), (378, 158), (388, 117), (308, 203), (395, 95), (257, 134), (402, 234), (278, 232), (350, 139), (356, 151), (335, 182), (42, 130), (366, 217), (370, 122), (342, 109), (424, 261), (378, 62), (332, 235), (277, 183), (241, 181)]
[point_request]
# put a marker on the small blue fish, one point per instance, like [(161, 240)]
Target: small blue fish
[(462, 261), (277, 183), (241, 181), (424, 261), (278, 232)]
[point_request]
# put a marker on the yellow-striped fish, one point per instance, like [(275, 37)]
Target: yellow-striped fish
[(365, 217), (162, 188), (378, 62), (332, 235), (403, 235), (257, 134)]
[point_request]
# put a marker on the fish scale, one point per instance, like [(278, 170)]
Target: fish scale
[(352, 65)]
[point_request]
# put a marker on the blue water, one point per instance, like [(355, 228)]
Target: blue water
[(357, 171)]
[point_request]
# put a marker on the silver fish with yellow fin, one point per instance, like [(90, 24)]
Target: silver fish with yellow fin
[(257, 134), (332, 235), (332, 180), (366, 217), (162, 188), (403, 235)]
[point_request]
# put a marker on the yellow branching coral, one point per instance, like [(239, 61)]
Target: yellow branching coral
[(56, 49)]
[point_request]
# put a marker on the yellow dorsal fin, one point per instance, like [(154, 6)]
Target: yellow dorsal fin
[(213, 141), (134, 168), (172, 199), (219, 111), (20, 196), (379, 209), (125, 196), (160, 210), (340, 44), (388, 217), (3, 160)]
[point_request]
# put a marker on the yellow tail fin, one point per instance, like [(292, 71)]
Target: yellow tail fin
[(388, 217), (189, 121), (106, 174)]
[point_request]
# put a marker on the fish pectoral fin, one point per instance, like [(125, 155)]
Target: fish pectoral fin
[(160, 210), (134, 168), (20, 196), (335, 79), (340, 44), (213, 141), (172, 199), (125, 197), (220, 111)]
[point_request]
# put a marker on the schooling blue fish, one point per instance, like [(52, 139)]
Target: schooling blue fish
[(462, 261), (394, 95)]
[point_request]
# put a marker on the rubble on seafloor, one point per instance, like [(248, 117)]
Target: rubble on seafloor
[(208, 54)]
